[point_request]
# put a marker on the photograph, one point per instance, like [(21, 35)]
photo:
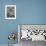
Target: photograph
[(10, 11)]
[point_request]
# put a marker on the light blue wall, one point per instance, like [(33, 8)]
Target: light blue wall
[(6, 26), (31, 11), (28, 12)]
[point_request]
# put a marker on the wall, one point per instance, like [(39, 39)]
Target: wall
[(31, 11), (27, 12), (6, 26)]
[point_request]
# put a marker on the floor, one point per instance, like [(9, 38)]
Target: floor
[(30, 43), (7, 45)]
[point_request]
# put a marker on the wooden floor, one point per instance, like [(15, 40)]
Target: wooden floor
[(30, 43)]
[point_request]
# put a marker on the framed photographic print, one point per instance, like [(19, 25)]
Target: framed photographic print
[(10, 11)]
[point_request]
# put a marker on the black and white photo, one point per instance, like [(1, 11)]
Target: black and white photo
[(10, 11)]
